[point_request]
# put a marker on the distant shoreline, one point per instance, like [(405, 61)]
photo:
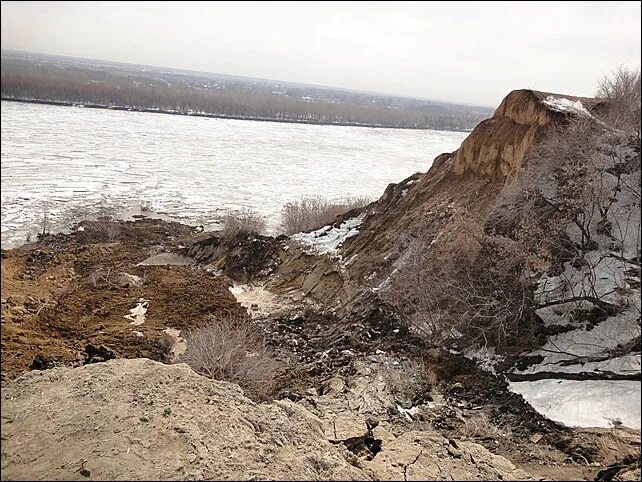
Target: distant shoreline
[(218, 116)]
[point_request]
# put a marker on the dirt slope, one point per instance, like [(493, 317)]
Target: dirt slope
[(142, 420), (68, 291)]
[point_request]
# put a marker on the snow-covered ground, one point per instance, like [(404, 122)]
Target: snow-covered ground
[(587, 403), (561, 104), (192, 168), (329, 239), (587, 348)]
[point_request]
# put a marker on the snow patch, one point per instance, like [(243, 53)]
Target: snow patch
[(257, 300), (329, 239), (137, 313), (408, 412), (561, 104), (590, 403), (485, 357)]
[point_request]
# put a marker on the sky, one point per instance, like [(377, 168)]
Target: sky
[(472, 53)]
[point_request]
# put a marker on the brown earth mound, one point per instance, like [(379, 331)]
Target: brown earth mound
[(69, 291)]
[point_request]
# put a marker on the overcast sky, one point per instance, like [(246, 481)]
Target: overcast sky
[(461, 52)]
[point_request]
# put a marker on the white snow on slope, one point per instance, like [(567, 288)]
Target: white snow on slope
[(328, 239), (561, 104), (137, 313), (591, 403), (598, 341), (604, 276)]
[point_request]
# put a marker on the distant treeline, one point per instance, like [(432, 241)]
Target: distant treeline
[(102, 87)]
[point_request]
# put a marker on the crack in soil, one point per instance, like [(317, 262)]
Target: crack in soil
[(405, 467)]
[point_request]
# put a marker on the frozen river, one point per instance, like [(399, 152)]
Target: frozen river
[(78, 162)]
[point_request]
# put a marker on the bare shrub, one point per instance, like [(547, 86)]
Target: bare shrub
[(465, 286), (108, 229), (232, 349), (309, 213), (622, 89), (592, 181), (242, 221), (102, 275)]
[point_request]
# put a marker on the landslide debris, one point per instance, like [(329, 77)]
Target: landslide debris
[(143, 420)]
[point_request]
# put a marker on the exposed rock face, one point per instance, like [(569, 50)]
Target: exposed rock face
[(142, 420), (243, 257), (497, 146)]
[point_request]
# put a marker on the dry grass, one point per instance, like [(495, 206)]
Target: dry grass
[(231, 349), (309, 213), (479, 427), (242, 221), (409, 381)]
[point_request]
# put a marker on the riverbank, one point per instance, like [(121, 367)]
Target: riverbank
[(219, 116)]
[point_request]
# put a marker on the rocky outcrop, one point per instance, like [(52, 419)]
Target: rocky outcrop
[(142, 420), (498, 146), (243, 257)]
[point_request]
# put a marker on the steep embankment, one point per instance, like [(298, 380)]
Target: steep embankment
[(572, 212), (467, 180)]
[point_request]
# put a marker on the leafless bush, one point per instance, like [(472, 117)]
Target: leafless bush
[(102, 275), (242, 221), (463, 286), (231, 349), (591, 180), (309, 213), (622, 90), (108, 229)]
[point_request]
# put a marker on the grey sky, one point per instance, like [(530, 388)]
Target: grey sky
[(461, 52)]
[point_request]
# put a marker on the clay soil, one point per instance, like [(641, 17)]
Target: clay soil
[(68, 291)]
